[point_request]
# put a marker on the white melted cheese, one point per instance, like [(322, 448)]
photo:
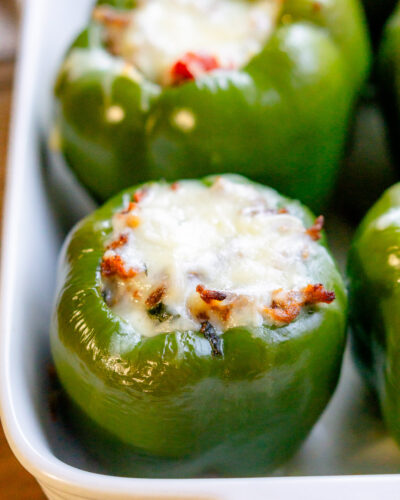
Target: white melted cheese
[(228, 238), (161, 32)]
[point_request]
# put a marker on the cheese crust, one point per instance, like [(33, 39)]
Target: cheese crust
[(228, 254)]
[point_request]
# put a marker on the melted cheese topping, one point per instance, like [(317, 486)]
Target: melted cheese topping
[(175, 241), (161, 32)]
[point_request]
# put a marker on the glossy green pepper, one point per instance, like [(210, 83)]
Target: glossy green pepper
[(389, 72), (282, 119), (374, 274), (182, 410)]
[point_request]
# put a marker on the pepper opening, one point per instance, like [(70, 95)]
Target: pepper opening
[(226, 254), (174, 41)]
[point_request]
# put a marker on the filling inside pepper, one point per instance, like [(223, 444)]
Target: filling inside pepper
[(171, 41), (188, 256)]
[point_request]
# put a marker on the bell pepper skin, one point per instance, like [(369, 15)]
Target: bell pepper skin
[(282, 119), (167, 398), (374, 275)]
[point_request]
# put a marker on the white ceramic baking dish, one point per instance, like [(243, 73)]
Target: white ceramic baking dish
[(348, 455)]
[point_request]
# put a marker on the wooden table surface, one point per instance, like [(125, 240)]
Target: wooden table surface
[(15, 482)]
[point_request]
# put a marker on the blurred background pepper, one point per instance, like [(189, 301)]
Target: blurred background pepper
[(374, 275), (272, 119)]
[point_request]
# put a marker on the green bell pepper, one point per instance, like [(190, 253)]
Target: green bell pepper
[(180, 409), (282, 119), (374, 274)]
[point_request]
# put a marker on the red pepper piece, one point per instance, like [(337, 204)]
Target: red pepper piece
[(192, 65)]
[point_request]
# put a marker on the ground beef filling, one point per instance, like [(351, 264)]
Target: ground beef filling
[(208, 258)]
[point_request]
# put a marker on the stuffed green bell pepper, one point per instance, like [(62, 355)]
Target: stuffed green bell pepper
[(199, 324), (262, 88), (374, 274)]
